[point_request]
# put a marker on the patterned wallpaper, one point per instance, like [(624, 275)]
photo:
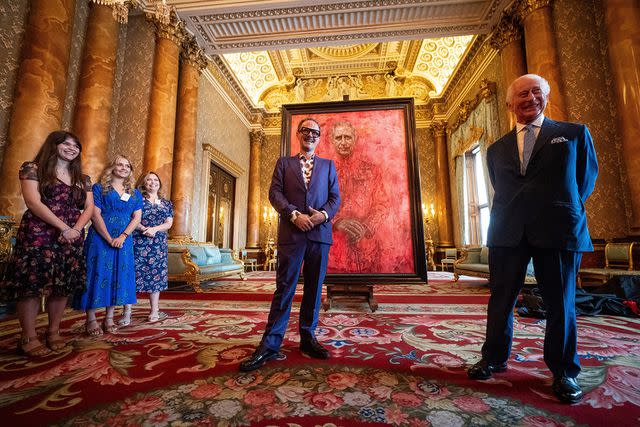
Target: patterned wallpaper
[(134, 86), (427, 157), (117, 89), (75, 62), (587, 80), (13, 18), (219, 126), (269, 156)]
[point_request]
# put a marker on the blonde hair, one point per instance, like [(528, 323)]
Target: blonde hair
[(107, 176), (140, 185)]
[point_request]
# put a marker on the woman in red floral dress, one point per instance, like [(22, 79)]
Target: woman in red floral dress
[(48, 259)]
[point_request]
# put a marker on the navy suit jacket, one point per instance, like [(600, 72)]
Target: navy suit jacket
[(546, 204), (288, 193)]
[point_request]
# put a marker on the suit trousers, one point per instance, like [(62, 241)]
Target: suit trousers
[(555, 271), (312, 257)]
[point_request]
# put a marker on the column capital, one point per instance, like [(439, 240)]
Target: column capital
[(120, 9), (174, 30), (193, 54), (257, 136), (439, 128), (506, 31), (525, 8)]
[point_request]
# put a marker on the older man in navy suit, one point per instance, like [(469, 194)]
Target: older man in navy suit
[(304, 190), (542, 172)]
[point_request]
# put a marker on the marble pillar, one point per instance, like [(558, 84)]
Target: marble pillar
[(443, 188), (622, 20), (256, 140), (91, 119), (39, 93), (542, 53), (161, 124), (184, 154), (507, 38)]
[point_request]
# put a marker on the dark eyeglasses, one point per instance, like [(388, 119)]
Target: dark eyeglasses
[(306, 132)]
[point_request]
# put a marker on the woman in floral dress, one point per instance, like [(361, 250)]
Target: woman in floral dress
[(150, 245), (111, 277), (48, 259)]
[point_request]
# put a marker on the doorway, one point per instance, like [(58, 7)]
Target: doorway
[(220, 206)]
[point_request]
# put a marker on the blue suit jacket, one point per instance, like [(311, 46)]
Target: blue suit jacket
[(288, 193), (547, 203)]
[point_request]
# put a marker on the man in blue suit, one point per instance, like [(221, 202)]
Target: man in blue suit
[(542, 173), (305, 192)]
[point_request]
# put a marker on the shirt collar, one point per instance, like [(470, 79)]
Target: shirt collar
[(537, 123), (304, 157)]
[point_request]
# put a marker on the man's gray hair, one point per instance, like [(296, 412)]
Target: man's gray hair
[(544, 86)]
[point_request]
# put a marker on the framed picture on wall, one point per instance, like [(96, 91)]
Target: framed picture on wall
[(378, 230)]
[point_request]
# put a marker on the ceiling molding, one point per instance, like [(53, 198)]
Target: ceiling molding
[(225, 26)]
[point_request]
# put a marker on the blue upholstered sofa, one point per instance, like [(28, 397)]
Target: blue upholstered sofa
[(475, 262), (196, 262)]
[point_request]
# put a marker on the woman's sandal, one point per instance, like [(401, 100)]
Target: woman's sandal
[(55, 341), (156, 317), (109, 327), (125, 319), (93, 328), (37, 351)]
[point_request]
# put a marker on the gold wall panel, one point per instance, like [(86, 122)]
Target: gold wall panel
[(427, 157), (135, 85), (75, 62), (14, 17), (581, 38)]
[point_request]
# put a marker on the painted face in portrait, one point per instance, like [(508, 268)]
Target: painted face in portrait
[(344, 139)]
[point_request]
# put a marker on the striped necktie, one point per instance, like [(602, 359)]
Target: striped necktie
[(527, 149)]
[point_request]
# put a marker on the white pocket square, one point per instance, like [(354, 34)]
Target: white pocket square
[(559, 139)]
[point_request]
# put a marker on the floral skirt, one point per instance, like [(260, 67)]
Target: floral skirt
[(57, 271)]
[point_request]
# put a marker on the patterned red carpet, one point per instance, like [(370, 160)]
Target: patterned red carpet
[(403, 365)]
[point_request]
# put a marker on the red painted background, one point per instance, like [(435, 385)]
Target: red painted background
[(374, 187)]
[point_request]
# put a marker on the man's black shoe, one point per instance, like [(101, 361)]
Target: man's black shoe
[(261, 356), (483, 369), (567, 389), (312, 348)]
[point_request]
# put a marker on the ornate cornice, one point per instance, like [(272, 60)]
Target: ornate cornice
[(506, 31), (342, 38), (486, 90), (235, 87), (120, 10), (193, 54), (219, 157)]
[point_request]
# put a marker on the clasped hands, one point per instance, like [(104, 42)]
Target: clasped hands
[(306, 222), (69, 235), (353, 229)]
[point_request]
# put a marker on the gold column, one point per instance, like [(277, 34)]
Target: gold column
[(622, 20), (507, 38), (161, 124), (95, 88), (443, 188), (184, 155), (542, 53), (39, 94), (256, 138)]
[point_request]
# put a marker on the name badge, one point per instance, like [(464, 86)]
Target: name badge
[(125, 197)]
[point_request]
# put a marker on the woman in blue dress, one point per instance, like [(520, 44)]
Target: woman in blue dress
[(111, 278), (150, 245)]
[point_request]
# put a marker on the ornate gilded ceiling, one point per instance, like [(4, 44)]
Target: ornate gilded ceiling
[(283, 51)]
